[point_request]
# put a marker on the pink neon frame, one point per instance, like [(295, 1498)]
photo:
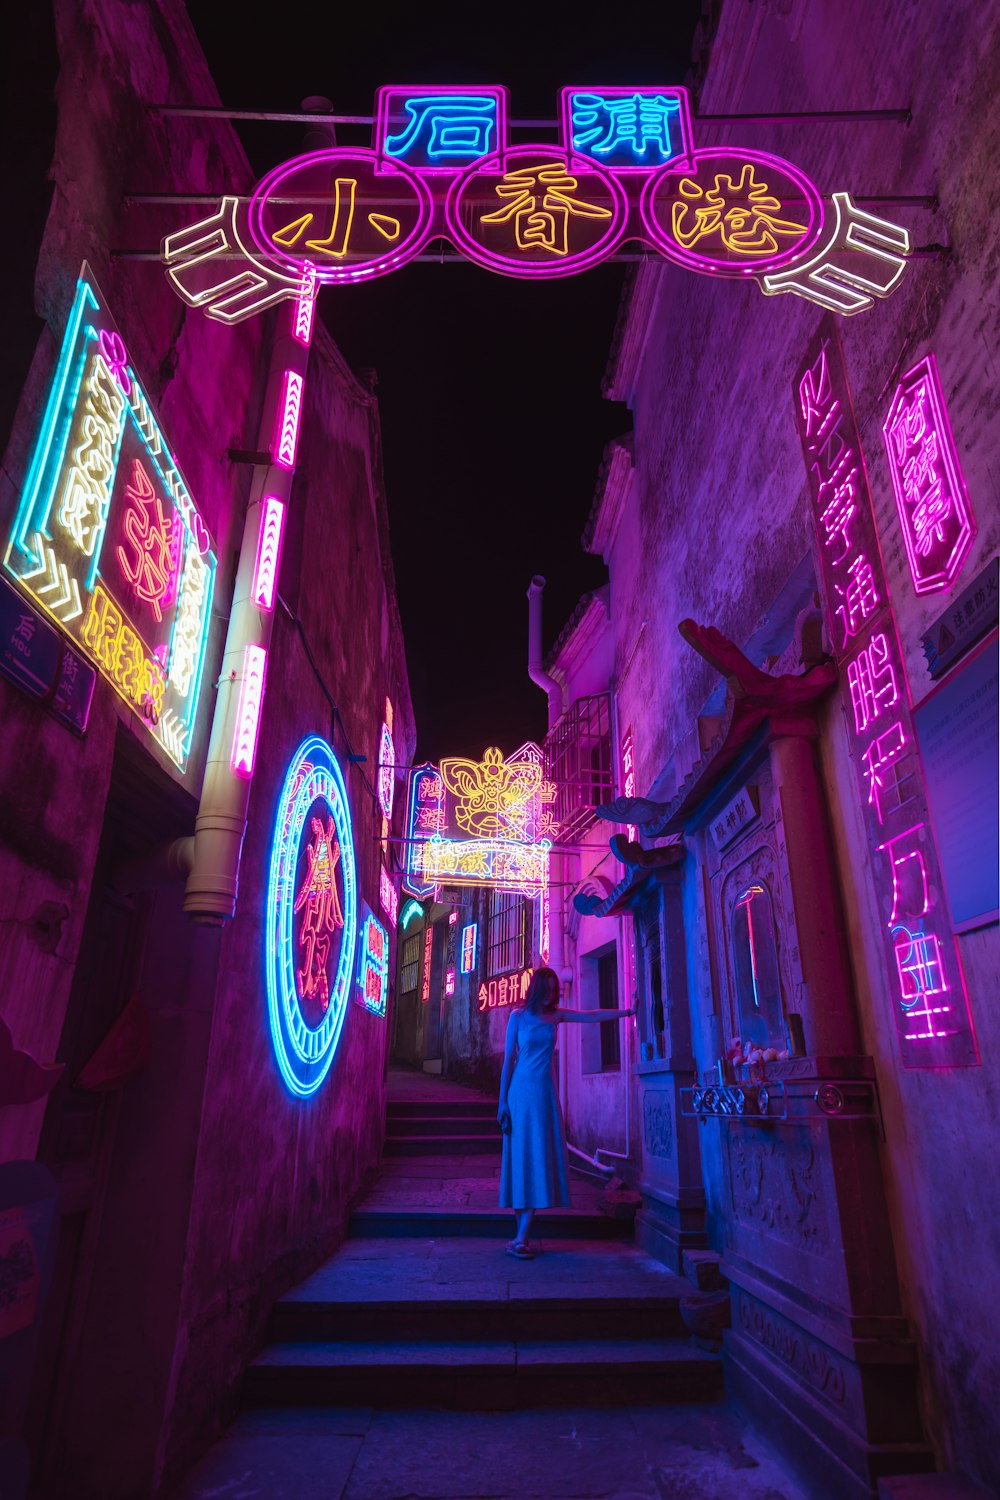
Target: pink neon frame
[(945, 575), (327, 275), (248, 713), (682, 159), (265, 576), (286, 424), (383, 106), (508, 265), (708, 264)]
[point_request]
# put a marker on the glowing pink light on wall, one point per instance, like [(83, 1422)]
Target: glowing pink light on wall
[(388, 896), (449, 982), (287, 426), (265, 575), (248, 712), (934, 511), (425, 988)]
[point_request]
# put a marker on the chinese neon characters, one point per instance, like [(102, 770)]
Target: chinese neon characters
[(441, 165)]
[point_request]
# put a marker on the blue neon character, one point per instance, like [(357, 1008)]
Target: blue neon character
[(630, 130), (445, 130)]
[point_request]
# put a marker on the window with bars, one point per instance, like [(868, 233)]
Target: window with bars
[(607, 999), (409, 974), (578, 761), (506, 933)]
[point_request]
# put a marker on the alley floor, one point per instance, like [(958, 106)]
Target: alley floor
[(422, 1363)]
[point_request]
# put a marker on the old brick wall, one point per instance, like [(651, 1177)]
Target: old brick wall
[(215, 1190), (719, 519)]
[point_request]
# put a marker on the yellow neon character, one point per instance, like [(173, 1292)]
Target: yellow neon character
[(494, 797), (743, 214), (85, 496), (541, 202)]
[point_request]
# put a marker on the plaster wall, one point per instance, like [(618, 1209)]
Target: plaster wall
[(217, 1189), (719, 518)]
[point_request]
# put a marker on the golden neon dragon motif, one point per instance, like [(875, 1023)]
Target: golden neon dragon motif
[(495, 798)]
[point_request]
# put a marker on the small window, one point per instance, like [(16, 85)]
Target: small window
[(607, 999), (755, 964), (409, 975)]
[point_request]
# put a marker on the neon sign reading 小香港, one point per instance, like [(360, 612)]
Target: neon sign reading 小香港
[(441, 166), (107, 539), (485, 823), (509, 989), (931, 498), (930, 1007), (373, 968), (311, 917)]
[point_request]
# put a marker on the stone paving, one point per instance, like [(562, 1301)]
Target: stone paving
[(623, 1452)]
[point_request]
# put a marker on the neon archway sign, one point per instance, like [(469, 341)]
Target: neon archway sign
[(311, 924)]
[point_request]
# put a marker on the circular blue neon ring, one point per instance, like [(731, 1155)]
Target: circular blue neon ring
[(305, 1053)]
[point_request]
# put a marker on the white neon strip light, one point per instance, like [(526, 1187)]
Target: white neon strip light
[(288, 421), (265, 576), (248, 714), (305, 307)]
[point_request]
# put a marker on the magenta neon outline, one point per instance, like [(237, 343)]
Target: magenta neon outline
[(946, 574), (248, 713), (287, 424), (495, 91), (684, 157), (265, 574), (507, 265), (708, 264), (330, 275)]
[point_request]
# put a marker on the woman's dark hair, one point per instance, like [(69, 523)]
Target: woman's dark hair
[(543, 991)]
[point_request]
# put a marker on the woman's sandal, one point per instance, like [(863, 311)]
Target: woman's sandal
[(519, 1250)]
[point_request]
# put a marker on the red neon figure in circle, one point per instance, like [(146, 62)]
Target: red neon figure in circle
[(539, 213), (323, 914), (735, 213), (337, 213)]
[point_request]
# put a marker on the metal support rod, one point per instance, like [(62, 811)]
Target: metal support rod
[(904, 200), (218, 111)]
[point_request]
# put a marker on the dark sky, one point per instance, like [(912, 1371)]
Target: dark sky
[(493, 424)]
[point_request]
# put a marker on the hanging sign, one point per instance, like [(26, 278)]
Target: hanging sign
[(441, 166), (510, 989), (311, 920), (480, 823), (107, 539), (930, 1007), (373, 966)]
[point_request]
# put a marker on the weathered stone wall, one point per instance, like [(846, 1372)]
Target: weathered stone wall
[(216, 1189), (719, 519)]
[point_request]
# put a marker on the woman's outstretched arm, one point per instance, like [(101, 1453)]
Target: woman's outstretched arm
[(565, 1014), (507, 1072)]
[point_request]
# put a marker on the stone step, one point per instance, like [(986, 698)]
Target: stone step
[(421, 1109), (420, 1316), (413, 1127), (442, 1145), (484, 1223), (487, 1375), (703, 1268)]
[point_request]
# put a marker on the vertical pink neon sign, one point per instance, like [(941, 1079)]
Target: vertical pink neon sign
[(930, 1006), (265, 577), (931, 498), (287, 424), (248, 713)]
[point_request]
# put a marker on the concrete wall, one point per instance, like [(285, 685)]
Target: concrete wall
[(719, 520), (212, 1190)]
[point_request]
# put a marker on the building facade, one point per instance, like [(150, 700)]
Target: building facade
[(196, 1162), (800, 651)]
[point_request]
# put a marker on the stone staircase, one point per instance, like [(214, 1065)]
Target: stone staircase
[(421, 1306)]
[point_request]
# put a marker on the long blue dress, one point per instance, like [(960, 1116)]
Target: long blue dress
[(533, 1166)]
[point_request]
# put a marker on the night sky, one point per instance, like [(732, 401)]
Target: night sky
[(493, 424)]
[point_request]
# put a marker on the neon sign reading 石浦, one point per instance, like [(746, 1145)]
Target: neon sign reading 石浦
[(311, 919), (441, 166), (930, 1007), (107, 539), (486, 823), (934, 511)]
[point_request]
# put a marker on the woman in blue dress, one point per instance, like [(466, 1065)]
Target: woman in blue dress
[(533, 1169)]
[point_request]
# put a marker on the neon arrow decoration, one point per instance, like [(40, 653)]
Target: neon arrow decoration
[(265, 576), (248, 714)]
